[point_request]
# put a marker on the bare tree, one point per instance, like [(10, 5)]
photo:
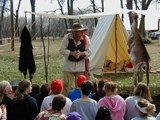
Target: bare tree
[(61, 2), (145, 5), (16, 21), (70, 10), (130, 7), (136, 5), (94, 10), (33, 19), (1, 19), (102, 2), (122, 8)]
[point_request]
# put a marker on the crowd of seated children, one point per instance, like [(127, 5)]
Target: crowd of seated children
[(101, 104)]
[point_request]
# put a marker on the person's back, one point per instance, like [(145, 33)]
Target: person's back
[(24, 109), (47, 104), (55, 113), (24, 106), (130, 106), (50, 115), (85, 106), (140, 91), (114, 102), (75, 93), (145, 110), (56, 88), (44, 92), (100, 92)]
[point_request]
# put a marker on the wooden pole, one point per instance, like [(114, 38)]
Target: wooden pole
[(12, 25), (116, 45)]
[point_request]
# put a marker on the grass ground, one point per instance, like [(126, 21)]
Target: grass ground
[(9, 65)]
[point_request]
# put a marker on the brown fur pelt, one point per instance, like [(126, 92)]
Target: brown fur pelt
[(138, 52)]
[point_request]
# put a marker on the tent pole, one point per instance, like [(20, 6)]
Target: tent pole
[(116, 45)]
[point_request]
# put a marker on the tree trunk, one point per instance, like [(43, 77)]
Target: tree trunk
[(158, 24), (145, 5), (61, 8), (142, 27), (94, 10), (33, 19), (135, 2), (70, 10), (102, 1), (16, 21), (122, 8), (130, 7), (41, 28), (1, 22)]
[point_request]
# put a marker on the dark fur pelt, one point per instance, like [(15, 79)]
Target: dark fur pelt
[(26, 59)]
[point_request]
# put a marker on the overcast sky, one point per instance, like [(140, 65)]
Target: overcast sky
[(110, 5), (47, 5)]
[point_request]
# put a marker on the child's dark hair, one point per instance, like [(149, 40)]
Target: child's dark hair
[(45, 88), (103, 113), (101, 84), (58, 102), (86, 87)]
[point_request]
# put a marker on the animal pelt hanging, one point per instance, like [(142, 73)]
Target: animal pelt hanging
[(26, 59), (138, 52)]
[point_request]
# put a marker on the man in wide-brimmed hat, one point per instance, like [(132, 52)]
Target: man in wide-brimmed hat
[(75, 48)]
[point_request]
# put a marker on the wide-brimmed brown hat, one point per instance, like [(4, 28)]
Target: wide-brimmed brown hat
[(77, 27)]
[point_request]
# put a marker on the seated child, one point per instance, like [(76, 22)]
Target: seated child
[(100, 92), (74, 116), (85, 106), (103, 113), (75, 93), (145, 109), (55, 113)]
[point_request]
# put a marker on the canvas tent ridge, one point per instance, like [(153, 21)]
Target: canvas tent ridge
[(108, 42)]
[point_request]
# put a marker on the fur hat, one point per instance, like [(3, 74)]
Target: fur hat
[(80, 79), (56, 85), (74, 116), (77, 27)]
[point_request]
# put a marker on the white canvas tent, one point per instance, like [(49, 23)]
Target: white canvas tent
[(108, 40)]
